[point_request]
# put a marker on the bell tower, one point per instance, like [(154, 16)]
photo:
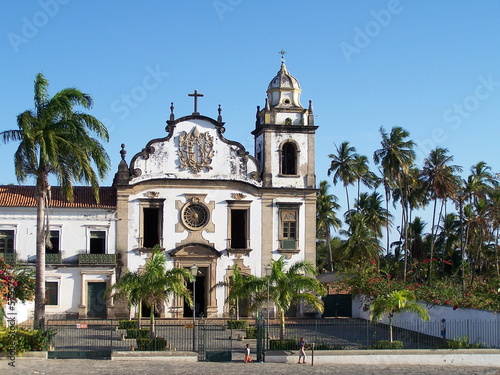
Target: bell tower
[(284, 135)]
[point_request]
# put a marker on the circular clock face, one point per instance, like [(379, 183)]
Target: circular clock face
[(195, 216)]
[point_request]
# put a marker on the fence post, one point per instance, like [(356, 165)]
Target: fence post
[(111, 336), (315, 331), (260, 338)]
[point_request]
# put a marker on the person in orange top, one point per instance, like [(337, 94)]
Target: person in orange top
[(247, 354)]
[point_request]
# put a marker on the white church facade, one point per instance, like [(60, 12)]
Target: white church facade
[(202, 198)]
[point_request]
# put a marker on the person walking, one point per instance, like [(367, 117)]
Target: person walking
[(302, 350), (247, 354), (443, 330)]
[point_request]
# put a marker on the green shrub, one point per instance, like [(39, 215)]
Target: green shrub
[(128, 324), (462, 342), (137, 333), (251, 333), (237, 324), (156, 344), (289, 344), (24, 339), (386, 344), (326, 345)]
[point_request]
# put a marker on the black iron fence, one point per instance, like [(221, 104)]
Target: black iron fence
[(345, 334), (213, 340)]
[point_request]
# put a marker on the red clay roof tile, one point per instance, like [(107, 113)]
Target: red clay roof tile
[(24, 196)]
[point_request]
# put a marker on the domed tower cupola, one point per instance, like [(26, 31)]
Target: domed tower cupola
[(284, 135), (284, 90)]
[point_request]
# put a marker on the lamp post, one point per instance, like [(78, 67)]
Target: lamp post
[(269, 271), (194, 273)]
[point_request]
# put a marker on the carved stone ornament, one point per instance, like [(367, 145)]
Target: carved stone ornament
[(152, 194), (238, 196), (195, 151)]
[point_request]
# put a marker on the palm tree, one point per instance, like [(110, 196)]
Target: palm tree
[(442, 183), (343, 167), (494, 215), (363, 173), (480, 182), (448, 239), (294, 285), (153, 285), (370, 205), (326, 218), (396, 302), (237, 288), (416, 231), (362, 242), (158, 284), (56, 140), (129, 288), (396, 158)]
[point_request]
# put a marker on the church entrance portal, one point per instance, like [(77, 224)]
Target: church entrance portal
[(200, 296)]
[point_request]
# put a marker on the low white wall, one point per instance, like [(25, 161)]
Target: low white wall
[(472, 357), (21, 312), (479, 325)]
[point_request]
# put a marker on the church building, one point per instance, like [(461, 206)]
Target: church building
[(204, 199)]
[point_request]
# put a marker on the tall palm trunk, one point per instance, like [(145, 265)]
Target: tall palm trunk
[(429, 272), (496, 252), (152, 322), (282, 325), (390, 328), (387, 231), (39, 318), (139, 315), (329, 247), (347, 197), (405, 242), (433, 235)]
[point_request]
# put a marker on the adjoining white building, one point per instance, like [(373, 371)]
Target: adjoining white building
[(202, 198)]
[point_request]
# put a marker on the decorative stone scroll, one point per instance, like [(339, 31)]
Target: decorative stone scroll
[(195, 151)]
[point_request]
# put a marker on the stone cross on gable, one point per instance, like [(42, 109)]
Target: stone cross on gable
[(196, 95)]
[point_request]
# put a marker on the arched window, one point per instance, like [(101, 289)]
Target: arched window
[(289, 159)]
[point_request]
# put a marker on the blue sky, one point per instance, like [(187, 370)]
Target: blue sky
[(431, 67)]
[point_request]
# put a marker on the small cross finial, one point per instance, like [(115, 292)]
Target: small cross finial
[(282, 53), (196, 95)]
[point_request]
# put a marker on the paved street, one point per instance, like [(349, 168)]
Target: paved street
[(151, 367)]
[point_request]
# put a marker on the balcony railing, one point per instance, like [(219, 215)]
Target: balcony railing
[(140, 244), (96, 258), (238, 244), (55, 258), (288, 244), (10, 258)]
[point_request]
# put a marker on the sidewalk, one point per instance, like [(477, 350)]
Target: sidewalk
[(153, 367)]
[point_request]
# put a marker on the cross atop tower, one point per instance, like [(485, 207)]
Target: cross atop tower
[(282, 53), (196, 95)]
